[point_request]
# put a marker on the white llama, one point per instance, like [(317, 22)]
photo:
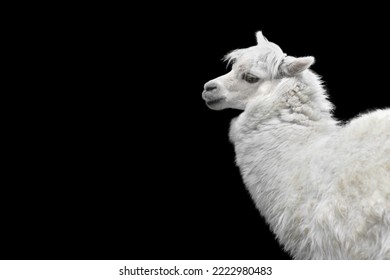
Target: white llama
[(323, 187)]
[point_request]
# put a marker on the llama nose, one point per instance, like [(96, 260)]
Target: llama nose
[(210, 86)]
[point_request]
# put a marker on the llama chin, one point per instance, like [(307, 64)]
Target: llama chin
[(322, 186)]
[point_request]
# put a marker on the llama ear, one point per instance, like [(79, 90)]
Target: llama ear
[(260, 38), (292, 66)]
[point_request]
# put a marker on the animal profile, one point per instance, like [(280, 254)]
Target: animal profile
[(322, 186)]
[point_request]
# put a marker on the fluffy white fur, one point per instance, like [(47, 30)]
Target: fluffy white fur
[(323, 187)]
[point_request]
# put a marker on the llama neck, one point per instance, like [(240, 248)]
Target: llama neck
[(273, 136), (293, 102), (304, 101)]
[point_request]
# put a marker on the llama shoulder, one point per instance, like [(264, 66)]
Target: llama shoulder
[(377, 121), (368, 131), (362, 154)]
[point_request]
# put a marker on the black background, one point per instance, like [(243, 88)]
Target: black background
[(114, 154)]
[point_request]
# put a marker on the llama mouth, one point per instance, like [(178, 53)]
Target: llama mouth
[(213, 102)]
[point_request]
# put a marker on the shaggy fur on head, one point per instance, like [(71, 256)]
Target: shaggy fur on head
[(268, 54), (323, 187)]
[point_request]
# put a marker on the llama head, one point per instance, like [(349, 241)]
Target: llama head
[(255, 71)]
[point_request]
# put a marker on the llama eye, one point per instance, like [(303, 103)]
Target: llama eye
[(250, 78)]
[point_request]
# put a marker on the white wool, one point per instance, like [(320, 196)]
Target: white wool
[(266, 52), (323, 187)]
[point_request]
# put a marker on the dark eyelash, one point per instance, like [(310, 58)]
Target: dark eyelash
[(250, 78)]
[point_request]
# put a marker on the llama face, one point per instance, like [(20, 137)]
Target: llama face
[(248, 78), (255, 71)]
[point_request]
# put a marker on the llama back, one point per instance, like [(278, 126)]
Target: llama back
[(362, 149), (361, 195), (351, 170)]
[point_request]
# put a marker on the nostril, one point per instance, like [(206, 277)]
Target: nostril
[(210, 87)]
